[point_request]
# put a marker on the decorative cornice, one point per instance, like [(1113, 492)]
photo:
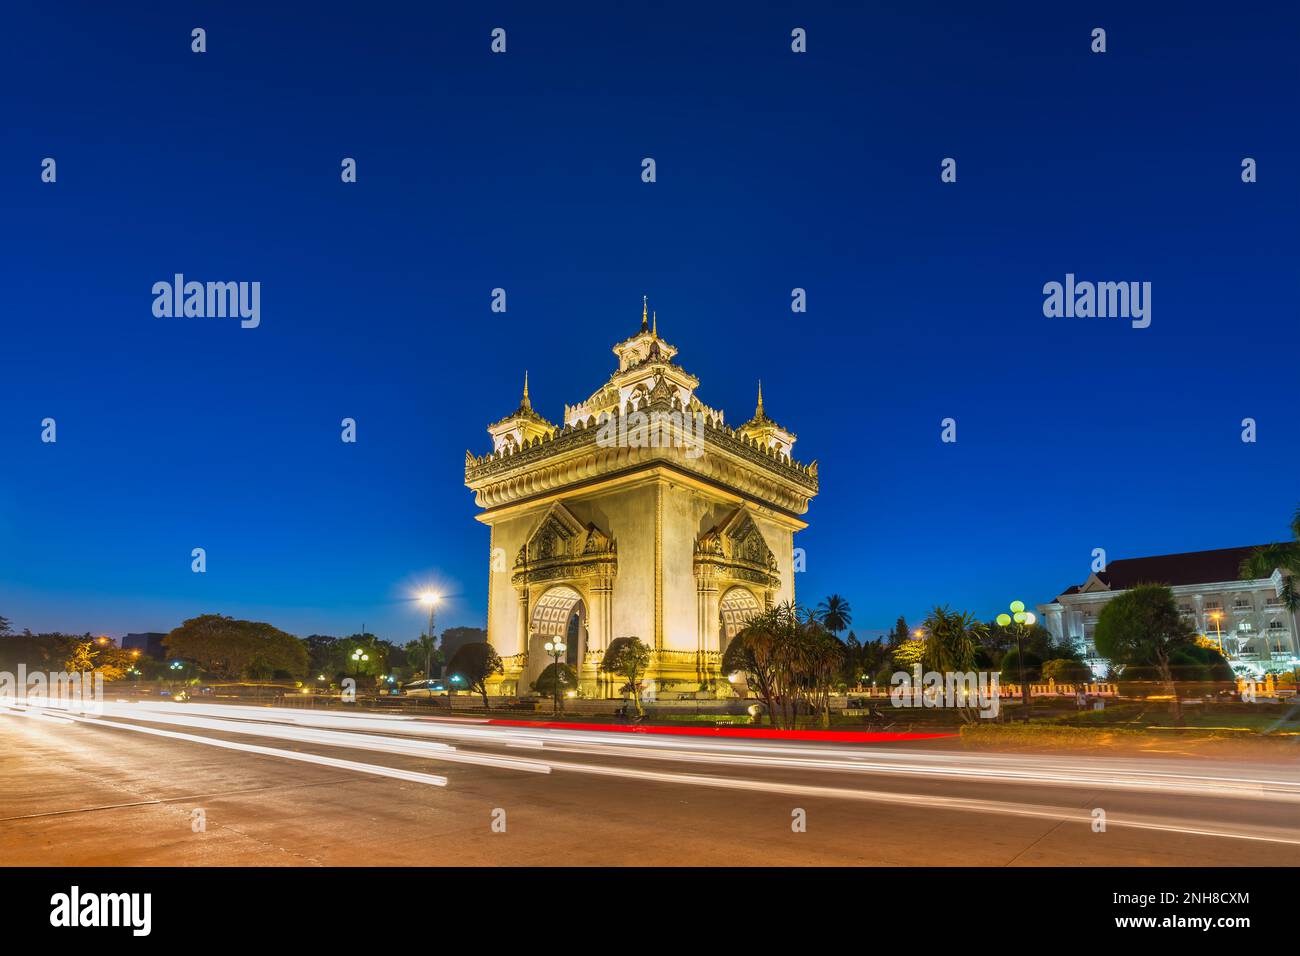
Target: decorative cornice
[(573, 454)]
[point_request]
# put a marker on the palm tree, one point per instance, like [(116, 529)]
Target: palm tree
[(757, 652), (834, 614), (821, 659), (952, 646), (953, 641), (421, 654), (1284, 557), (787, 658)]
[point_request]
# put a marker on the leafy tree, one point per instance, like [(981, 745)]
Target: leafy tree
[(788, 658), (372, 663), (423, 656), (1284, 556), (1201, 663), (854, 662), (862, 660), (474, 664), (556, 679), (1143, 626), (754, 653), (1193, 663), (834, 614), (628, 657), (38, 651), (237, 649), (1010, 672), (818, 661), (901, 633), (392, 655), (5, 626), (908, 653), (81, 657), (115, 662), (1063, 670), (321, 653)]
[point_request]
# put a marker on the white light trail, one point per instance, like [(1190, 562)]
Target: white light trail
[(377, 770), (396, 735)]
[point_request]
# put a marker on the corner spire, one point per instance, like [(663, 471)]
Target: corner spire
[(525, 403), (654, 324), (644, 324), (758, 412)]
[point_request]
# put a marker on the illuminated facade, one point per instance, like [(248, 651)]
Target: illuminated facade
[(1247, 618), (641, 515)]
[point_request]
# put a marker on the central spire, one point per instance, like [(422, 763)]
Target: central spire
[(645, 324), (525, 403), (758, 412)]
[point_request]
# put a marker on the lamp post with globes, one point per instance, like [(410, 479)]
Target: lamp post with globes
[(556, 649), (357, 657), (1022, 620)]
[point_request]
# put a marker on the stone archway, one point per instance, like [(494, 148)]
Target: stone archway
[(736, 607), (559, 613)]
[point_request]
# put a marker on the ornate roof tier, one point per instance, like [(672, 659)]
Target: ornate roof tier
[(765, 431), (520, 427), (647, 414)]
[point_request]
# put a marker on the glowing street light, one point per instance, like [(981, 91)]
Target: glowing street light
[(357, 657), (1216, 617), (430, 598), (556, 649), (1022, 620)]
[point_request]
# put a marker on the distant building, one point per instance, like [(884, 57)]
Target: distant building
[(1258, 633), (150, 643)]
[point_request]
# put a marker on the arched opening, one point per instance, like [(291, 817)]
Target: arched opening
[(735, 609), (558, 614)]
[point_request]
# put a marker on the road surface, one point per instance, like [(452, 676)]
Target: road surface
[(182, 784)]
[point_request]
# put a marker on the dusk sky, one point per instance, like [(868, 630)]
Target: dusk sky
[(523, 171)]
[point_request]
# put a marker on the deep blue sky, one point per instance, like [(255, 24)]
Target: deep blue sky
[(523, 171)]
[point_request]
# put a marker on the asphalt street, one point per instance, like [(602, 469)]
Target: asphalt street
[(208, 784)]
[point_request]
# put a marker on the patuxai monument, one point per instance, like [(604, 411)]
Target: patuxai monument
[(643, 514)]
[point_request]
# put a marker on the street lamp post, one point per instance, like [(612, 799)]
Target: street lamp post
[(1216, 617), (357, 657), (432, 600), (556, 649), (1022, 620)]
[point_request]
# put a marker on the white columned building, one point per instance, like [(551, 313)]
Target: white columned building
[(1258, 633)]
